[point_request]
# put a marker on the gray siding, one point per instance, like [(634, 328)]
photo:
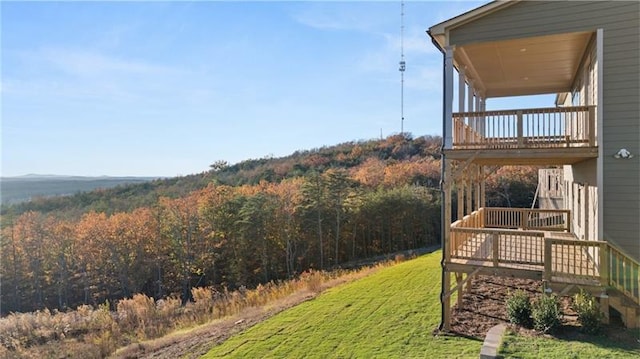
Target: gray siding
[(621, 85)]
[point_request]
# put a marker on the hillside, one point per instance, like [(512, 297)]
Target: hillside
[(234, 226), (231, 227), (371, 155), (390, 314), (15, 190)]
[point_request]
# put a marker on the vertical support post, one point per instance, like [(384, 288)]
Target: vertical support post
[(460, 187), (446, 304), (483, 187), (445, 296), (469, 185), (600, 128), (460, 288), (591, 118), (472, 119), (445, 185), (478, 171), (462, 86), (448, 97), (447, 211), (519, 128), (481, 119), (604, 264), (547, 260), (495, 246), (604, 307)]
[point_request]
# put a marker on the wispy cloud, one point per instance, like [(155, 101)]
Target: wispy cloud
[(87, 63), (346, 16)]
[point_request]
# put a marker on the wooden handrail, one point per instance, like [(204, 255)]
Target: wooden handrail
[(528, 219), (500, 246), (472, 238), (572, 126), (597, 260), (623, 272)]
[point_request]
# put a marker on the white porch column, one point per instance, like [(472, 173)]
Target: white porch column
[(462, 85), (471, 97), (481, 106), (447, 105)]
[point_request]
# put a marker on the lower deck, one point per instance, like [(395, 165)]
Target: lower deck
[(516, 254)]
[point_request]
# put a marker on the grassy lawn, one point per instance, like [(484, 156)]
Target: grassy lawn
[(390, 314), (517, 346)]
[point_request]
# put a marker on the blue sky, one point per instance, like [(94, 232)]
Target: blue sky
[(167, 88)]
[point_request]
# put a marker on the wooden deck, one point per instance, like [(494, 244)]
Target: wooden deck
[(523, 254), (537, 244)]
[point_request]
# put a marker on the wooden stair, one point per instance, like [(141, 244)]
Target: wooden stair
[(629, 311), (608, 297)]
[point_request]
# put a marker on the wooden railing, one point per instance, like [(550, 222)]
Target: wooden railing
[(598, 261), (527, 219), (502, 236), (623, 272), (527, 128), (573, 261), (499, 246)]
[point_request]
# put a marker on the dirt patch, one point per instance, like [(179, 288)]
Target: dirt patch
[(485, 306)]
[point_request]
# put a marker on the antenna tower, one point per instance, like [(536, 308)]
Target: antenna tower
[(402, 67)]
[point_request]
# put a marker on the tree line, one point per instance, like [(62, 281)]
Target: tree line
[(234, 226), (221, 236)]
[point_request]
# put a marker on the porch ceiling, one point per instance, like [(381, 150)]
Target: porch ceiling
[(526, 66)]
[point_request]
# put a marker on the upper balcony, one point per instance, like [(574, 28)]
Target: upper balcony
[(525, 136), (508, 65)]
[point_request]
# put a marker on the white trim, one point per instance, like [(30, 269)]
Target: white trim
[(599, 140)]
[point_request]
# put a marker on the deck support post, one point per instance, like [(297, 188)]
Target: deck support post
[(445, 298), (478, 178), (604, 307), (460, 288), (469, 281), (446, 302), (469, 187), (547, 260), (460, 186), (495, 249), (483, 189), (592, 126), (603, 268)]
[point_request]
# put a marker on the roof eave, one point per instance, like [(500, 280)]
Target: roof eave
[(439, 32)]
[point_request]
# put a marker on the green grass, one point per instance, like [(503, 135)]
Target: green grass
[(516, 346), (390, 314)]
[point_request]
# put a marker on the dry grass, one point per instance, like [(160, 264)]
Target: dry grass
[(89, 332)]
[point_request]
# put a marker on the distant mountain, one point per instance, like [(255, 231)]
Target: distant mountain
[(129, 194), (28, 187)]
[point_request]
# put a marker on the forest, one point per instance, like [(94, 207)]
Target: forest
[(234, 226)]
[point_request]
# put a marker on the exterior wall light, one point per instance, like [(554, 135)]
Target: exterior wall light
[(623, 153)]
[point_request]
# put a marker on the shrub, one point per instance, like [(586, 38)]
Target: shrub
[(313, 280), (588, 310), (546, 314), (519, 308), (138, 314)]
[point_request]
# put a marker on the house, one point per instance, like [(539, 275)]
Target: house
[(588, 54)]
